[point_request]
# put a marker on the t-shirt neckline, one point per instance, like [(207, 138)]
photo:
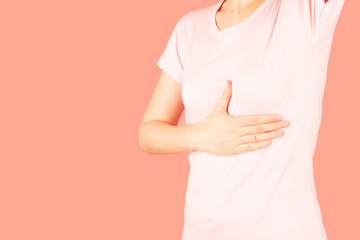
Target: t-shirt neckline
[(238, 26)]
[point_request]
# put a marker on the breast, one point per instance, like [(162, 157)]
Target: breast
[(256, 88), (265, 80), (264, 90)]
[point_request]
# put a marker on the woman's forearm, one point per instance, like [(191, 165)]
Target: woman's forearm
[(159, 137)]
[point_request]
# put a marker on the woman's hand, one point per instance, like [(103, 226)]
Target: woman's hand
[(224, 134)]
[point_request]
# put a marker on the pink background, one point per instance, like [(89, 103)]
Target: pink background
[(75, 79)]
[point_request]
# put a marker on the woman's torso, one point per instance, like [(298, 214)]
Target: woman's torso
[(276, 65)]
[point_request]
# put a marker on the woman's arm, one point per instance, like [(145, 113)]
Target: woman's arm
[(159, 137), (158, 132), (320, 16), (219, 133)]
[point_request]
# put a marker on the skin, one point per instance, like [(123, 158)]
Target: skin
[(233, 12), (219, 133)]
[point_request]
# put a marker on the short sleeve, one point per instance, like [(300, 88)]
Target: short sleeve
[(170, 60), (320, 17)]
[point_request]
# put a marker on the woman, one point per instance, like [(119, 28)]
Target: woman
[(275, 53)]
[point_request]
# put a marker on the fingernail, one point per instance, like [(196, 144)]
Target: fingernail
[(285, 124), (267, 142), (279, 133)]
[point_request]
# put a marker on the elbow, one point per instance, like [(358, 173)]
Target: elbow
[(143, 144)]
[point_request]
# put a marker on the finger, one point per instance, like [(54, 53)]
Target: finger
[(252, 146), (263, 127), (258, 137), (256, 119), (224, 100)]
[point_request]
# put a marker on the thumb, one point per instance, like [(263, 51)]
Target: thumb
[(224, 100)]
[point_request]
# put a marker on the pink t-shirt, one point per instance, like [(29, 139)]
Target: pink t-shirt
[(277, 61)]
